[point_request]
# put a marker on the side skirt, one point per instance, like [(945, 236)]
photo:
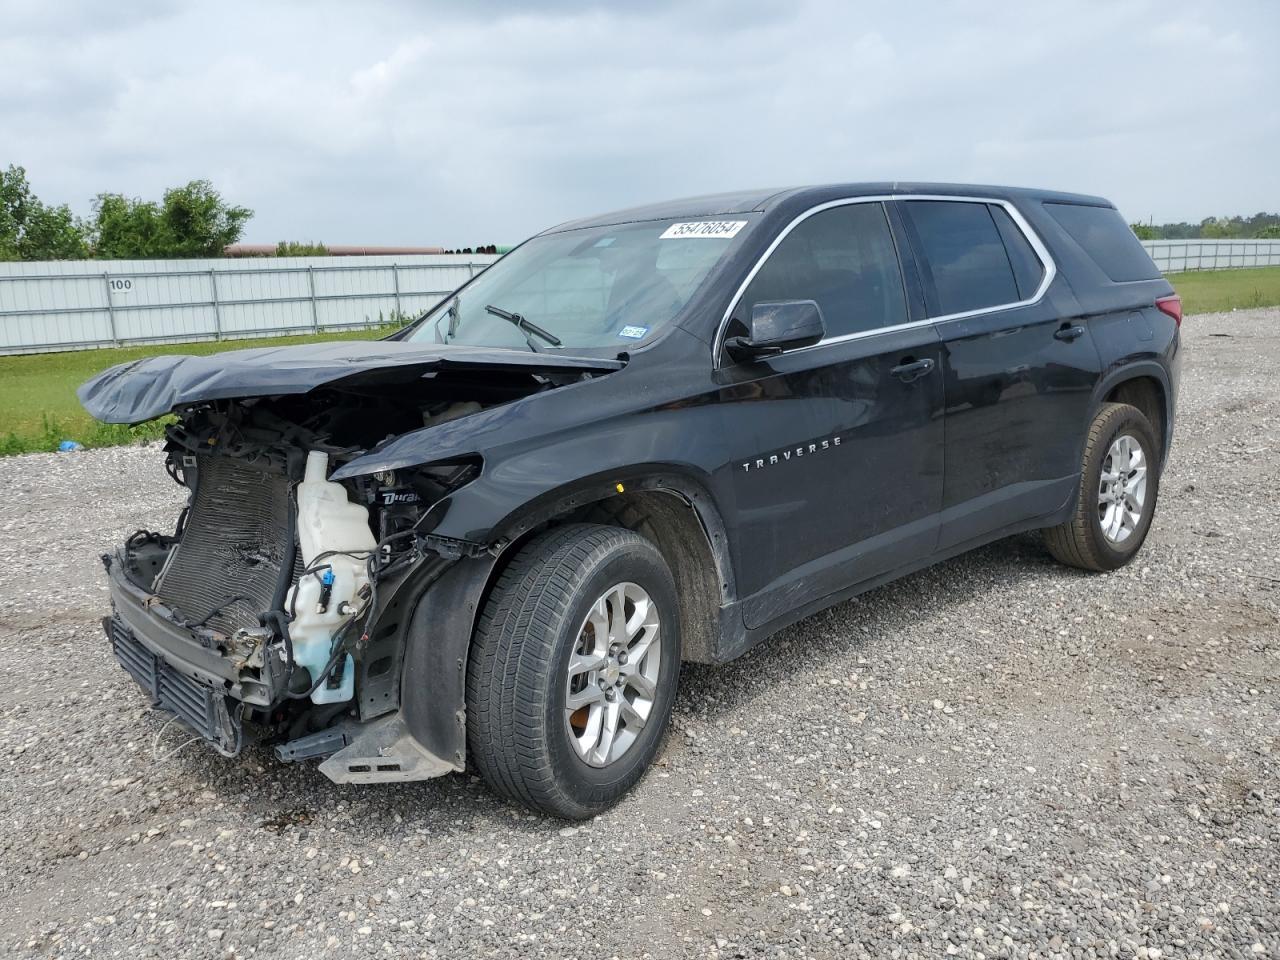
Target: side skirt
[(736, 638)]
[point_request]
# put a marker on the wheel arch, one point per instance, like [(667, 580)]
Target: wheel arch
[(1144, 385), (682, 519), (676, 512)]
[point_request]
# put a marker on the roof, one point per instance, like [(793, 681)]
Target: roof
[(748, 201)]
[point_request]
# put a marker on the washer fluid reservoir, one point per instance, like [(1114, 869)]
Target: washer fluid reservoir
[(322, 601)]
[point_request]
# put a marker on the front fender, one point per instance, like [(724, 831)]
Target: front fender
[(687, 442)]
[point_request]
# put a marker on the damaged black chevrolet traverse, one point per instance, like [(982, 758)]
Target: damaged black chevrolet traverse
[(661, 435)]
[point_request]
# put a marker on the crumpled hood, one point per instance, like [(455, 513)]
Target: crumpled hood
[(148, 388)]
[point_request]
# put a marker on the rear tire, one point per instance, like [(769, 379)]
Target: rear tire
[(1116, 498), (554, 662)]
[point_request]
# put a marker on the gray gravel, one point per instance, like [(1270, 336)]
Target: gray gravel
[(998, 757)]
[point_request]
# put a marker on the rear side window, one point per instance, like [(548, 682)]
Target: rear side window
[(1107, 239), (1028, 271), (844, 259), (965, 255)]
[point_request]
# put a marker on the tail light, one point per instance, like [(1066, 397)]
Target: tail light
[(1172, 306)]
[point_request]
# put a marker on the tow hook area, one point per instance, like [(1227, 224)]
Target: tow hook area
[(248, 647), (322, 743)]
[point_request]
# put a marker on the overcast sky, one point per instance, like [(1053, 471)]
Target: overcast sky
[(473, 122)]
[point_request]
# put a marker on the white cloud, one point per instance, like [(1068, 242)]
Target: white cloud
[(402, 122)]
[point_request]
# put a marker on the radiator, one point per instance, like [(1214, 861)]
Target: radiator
[(236, 543)]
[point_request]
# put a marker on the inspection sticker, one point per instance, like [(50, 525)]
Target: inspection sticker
[(714, 229), (633, 333)]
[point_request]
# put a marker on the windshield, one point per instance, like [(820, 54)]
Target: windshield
[(604, 286)]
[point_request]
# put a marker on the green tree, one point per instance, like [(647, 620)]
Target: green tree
[(1221, 228), (191, 221), (31, 230), (52, 233), (1143, 231), (125, 228), (199, 222), (1211, 229)]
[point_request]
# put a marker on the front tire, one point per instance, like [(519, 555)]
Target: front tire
[(573, 670), (1116, 498)]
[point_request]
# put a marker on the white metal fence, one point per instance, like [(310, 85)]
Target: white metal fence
[(82, 304), (1176, 256)]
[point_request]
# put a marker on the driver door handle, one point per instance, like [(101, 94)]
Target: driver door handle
[(1069, 333), (909, 369)]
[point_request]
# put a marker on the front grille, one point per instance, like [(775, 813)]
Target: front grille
[(139, 662), (200, 707), (236, 543)]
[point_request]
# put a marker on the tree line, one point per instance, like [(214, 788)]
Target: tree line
[(189, 221), (1260, 226)]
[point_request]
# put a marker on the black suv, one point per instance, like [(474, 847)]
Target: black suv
[(648, 437)]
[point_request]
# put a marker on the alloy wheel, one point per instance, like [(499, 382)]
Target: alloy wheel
[(1122, 489), (613, 674)]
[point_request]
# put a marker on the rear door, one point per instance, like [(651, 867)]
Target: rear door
[(1019, 377), (839, 476)]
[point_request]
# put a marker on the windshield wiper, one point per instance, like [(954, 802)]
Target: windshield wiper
[(525, 326)]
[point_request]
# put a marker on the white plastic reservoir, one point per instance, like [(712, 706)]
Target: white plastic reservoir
[(327, 521)]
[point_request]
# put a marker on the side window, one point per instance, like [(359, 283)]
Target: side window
[(1028, 271), (843, 258), (965, 254), (1107, 239)]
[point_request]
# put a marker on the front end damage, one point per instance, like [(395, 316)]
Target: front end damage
[(232, 625), (280, 607)]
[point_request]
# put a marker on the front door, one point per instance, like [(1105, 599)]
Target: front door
[(838, 476)]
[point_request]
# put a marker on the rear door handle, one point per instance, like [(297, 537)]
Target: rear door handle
[(910, 369), (1069, 333)]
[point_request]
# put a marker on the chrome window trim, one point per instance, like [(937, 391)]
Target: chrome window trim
[(1037, 245)]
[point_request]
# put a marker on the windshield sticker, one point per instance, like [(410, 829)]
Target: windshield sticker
[(712, 229), (633, 333)]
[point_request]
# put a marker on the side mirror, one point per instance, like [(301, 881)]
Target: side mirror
[(777, 326)]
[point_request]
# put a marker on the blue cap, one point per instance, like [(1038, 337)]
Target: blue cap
[(327, 578)]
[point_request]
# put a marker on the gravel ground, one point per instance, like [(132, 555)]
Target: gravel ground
[(998, 757)]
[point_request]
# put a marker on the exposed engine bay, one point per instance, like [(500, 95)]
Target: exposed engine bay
[(274, 609)]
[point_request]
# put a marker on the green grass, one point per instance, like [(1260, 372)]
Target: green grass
[(1213, 291), (38, 405)]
